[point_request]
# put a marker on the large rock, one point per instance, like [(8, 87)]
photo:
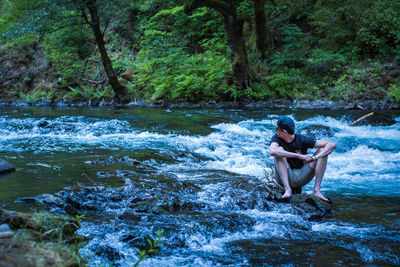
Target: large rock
[(6, 167)]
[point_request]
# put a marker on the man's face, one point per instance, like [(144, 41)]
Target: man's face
[(281, 133)]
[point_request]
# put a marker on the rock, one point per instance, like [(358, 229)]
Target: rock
[(12, 218), (319, 131), (108, 252), (43, 124), (141, 241), (25, 200), (35, 246), (5, 166), (313, 207), (6, 234), (69, 209), (74, 201), (395, 106), (49, 199), (130, 215), (4, 227)]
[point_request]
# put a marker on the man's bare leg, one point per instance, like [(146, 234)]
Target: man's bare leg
[(282, 169), (320, 167)]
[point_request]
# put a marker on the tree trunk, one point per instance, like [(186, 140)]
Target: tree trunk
[(261, 26), (94, 23), (240, 65), (233, 27)]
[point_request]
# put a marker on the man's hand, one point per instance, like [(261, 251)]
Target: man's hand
[(307, 158)]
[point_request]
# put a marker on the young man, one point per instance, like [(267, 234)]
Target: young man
[(294, 168)]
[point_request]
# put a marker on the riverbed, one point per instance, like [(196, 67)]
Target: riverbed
[(211, 162)]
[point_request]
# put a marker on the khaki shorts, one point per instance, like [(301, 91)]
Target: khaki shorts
[(298, 177)]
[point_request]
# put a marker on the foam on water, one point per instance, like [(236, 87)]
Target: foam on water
[(240, 148)]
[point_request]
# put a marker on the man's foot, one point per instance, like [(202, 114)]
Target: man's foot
[(287, 195), (321, 196)]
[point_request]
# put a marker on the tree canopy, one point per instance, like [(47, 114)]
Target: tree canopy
[(211, 49)]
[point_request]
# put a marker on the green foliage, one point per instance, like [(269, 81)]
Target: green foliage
[(317, 48), (38, 94), (167, 68), (66, 49), (326, 62), (394, 91), (360, 28), (89, 92), (154, 247), (361, 82), (245, 9), (284, 84), (295, 46)]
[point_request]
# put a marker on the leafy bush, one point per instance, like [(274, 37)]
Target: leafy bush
[(284, 84), (169, 69), (394, 91), (66, 50), (295, 46), (325, 62)]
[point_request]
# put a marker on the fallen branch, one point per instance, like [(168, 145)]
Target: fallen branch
[(94, 82), (74, 90), (87, 176), (360, 119)]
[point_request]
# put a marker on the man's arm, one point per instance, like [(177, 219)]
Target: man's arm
[(326, 148), (278, 151)]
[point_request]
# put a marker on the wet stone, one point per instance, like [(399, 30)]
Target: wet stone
[(116, 198), (25, 200), (74, 201), (69, 209), (103, 174), (4, 227), (130, 215), (136, 200), (311, 207), (6, 234), (108, 252), (49, 199), (139, 241), (89, 207), (43, 124), (318, 131), (5, 166)]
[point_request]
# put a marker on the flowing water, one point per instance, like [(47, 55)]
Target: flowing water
[(206, 170)]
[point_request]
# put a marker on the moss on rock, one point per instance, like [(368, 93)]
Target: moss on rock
[(40, 239)]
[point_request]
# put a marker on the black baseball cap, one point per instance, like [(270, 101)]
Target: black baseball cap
[(285, 123)]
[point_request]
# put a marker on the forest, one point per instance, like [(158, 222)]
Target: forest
[(200, 50)]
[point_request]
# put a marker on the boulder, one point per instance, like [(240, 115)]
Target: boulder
[(5, 166)]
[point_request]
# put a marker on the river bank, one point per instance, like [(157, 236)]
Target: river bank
[(39, 239), (269, 104)]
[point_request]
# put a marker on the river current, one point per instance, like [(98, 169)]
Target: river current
[(223, 155)]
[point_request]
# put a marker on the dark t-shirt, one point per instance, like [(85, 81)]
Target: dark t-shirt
[(300, 144)]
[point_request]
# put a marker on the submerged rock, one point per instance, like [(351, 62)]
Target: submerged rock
[(5, 166), (311, 206), (108, 252), (25, 200), (319, 131)]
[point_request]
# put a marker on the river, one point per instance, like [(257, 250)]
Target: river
[(211, 163)]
